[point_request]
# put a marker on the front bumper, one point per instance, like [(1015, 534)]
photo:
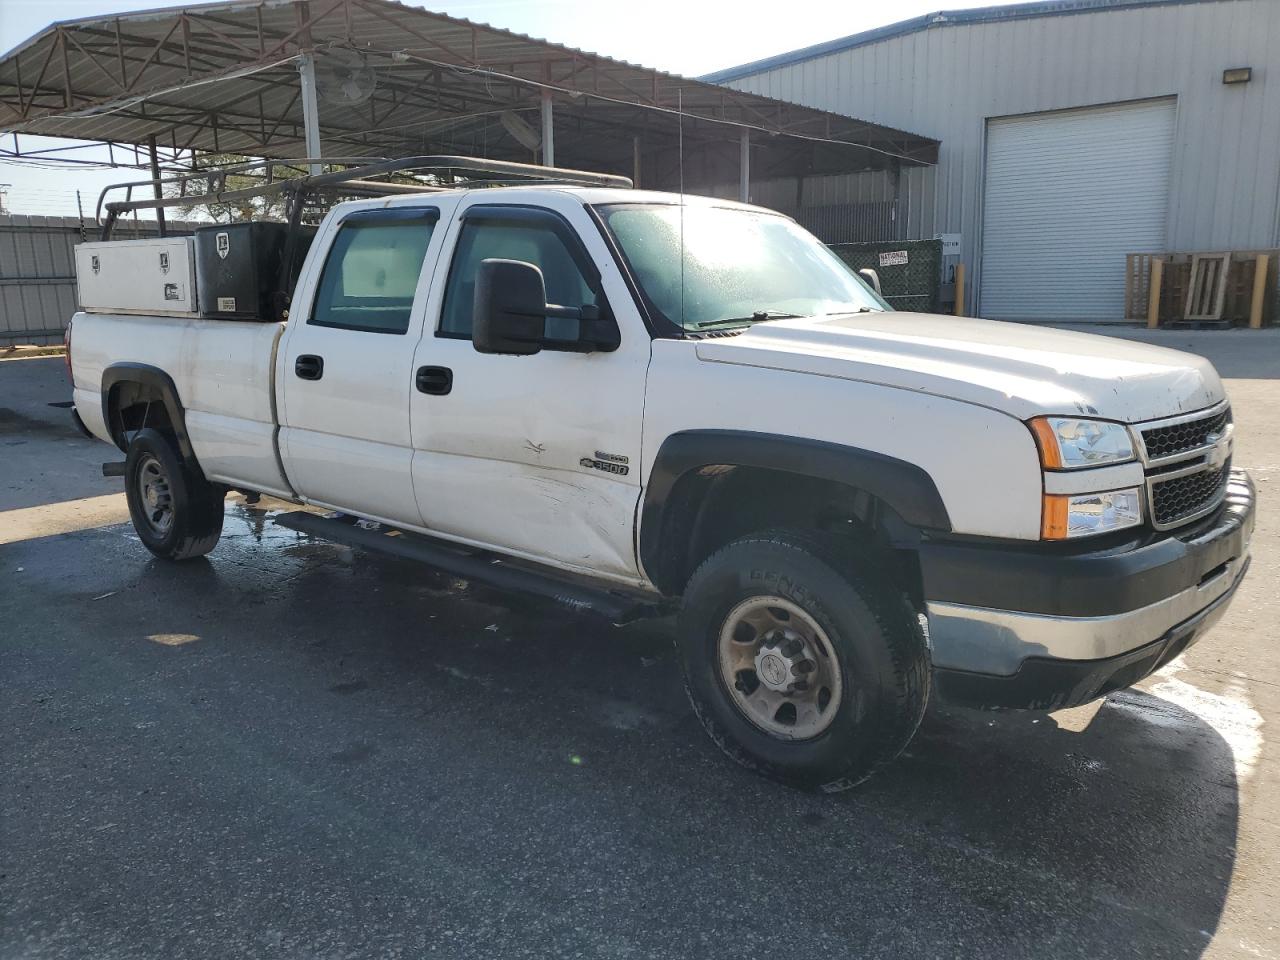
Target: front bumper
[(1022, 627)]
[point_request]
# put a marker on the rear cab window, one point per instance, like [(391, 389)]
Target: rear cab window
[(372, 268)]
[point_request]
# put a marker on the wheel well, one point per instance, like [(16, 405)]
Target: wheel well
[(714, 505), (132, 405)]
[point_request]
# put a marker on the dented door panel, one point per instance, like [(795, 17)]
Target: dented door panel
[(537, 455)]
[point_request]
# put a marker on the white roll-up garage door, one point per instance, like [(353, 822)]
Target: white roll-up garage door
[(1068, 194)]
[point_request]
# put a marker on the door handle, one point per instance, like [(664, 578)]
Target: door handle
[(434, 380), (309, 367)]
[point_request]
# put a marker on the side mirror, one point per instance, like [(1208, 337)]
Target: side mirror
[(510, 315), (872, 278)]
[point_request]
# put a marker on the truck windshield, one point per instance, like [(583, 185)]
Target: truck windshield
[(740, 266)]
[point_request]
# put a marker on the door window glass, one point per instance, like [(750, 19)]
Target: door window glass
[(372, 270), (527, 236)]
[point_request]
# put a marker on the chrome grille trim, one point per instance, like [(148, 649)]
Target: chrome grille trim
[(1202, 458), (1212, 413)]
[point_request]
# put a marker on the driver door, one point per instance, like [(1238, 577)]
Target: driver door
[(533, 455)]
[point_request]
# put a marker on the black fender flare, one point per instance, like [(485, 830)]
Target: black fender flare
[(154, 377), (903, 486)]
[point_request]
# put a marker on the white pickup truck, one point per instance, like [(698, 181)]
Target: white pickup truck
[(852, 508)]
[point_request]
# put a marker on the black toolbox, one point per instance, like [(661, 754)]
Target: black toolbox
[(238, 269)]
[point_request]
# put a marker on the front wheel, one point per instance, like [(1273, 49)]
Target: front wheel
[(176, 512), (802, 663)]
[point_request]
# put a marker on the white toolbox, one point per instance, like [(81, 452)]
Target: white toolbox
[(155, 276)]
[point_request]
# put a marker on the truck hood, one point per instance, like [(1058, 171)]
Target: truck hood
[(1017, 368)]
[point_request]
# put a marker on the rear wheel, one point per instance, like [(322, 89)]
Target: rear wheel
[(802, 663), (176, 512)]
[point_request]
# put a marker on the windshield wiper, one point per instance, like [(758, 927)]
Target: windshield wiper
[(757, 317)]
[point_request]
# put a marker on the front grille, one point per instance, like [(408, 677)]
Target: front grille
[(1182, 498), (1181, 437)]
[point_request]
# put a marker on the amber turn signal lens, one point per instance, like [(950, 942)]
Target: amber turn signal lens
[(1047, 441), (1053, 517)]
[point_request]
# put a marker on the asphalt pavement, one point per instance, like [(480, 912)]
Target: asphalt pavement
[(297, 750)]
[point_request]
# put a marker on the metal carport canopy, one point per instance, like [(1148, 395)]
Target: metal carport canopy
[(224, 78)]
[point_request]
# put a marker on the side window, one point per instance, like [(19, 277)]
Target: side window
[(372, 270), (517, 234)]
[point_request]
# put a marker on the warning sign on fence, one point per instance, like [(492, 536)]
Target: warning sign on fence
[(893, 258)]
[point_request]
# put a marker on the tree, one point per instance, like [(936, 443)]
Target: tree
[(253, 208)]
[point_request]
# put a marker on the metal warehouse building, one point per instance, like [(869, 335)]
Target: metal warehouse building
[(1074, 132)]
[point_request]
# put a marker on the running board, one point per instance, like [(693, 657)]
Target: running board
[(614, 605)]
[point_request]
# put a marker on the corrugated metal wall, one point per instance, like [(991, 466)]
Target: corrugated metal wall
[(946, 81), (836, 209), (38, 277)]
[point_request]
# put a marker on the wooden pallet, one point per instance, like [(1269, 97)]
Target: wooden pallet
[(1207, 292), (1251, 295), (1137, 284)]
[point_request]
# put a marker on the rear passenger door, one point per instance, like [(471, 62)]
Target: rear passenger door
[(346, 365), (535, 455)]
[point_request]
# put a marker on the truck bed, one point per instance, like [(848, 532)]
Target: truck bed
[(224, 375)]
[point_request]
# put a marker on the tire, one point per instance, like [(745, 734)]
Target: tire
[(175, 510), (856, 632)]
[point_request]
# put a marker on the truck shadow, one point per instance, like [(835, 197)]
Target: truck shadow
[(1122, 832), (444, 755), (994, 835)]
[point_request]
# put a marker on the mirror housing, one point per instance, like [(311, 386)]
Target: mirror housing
[(872, 278), (510, 315)]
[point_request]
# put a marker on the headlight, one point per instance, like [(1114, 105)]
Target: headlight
[(1067, 443), (1086, 514)]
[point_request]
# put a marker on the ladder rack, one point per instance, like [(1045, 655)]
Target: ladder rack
[(358, 177)]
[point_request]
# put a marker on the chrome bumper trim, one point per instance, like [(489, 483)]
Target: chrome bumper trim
[(992, 641)]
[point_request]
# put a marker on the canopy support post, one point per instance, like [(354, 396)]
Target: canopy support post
[(155, 187), (548, 131), (310, 109), (895, 178), (744, 166)]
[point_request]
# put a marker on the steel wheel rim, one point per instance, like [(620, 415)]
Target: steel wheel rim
[(780, 668), (155, 496)]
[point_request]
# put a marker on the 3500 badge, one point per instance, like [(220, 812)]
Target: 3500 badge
[(607, 462)]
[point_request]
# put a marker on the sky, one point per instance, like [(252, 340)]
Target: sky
[(689, 37)]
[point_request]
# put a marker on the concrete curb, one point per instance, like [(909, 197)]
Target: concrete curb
[(27, 352)]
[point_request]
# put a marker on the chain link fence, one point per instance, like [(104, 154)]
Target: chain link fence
[(910, 271)]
